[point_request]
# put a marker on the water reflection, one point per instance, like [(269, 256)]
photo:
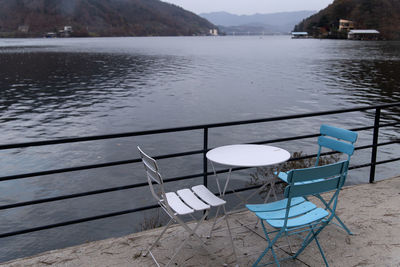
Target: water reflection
[(43, 82), (367, 73), (39, 88), (370, 81)]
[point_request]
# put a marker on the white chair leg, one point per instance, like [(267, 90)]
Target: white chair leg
[(192, 232), (230, 233), (214, 223), (158, 238)]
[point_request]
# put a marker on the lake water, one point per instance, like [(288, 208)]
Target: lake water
[(54, 88)]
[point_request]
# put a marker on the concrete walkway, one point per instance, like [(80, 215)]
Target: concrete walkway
[(372, 212)]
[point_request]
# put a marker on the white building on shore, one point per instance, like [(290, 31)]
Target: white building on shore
[(214, 32)]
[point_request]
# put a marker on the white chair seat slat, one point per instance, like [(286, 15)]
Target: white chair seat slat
[(177, 204), (191, 200), (207, 196)]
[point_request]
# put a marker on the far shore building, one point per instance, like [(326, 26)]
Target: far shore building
[(346, 25), (23, 28), (214, 32), (363, 35), (66, 32)]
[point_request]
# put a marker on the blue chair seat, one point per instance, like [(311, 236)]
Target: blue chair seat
[(310, 217), (295, 210), (277, 205)]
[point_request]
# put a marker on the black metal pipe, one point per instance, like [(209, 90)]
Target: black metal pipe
[(374, 145), (93, 166), (82, 220), (205, 149)]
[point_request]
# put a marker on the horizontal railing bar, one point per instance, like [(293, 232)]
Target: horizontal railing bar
[(285, 139), (93, 166), (386, 161), (378, 145), (389, 143), (64, 170), (96, 192), (87, 219), (372, 127), (52, 199), (376, 163), (189, 128), (388, 124)]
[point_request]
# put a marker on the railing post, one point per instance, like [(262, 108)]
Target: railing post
[(205, 165), (375, 145)]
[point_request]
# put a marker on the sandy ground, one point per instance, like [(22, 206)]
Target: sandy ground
[(371, 211)]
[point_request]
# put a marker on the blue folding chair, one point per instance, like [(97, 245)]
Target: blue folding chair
[(335, 139), (295, 214)]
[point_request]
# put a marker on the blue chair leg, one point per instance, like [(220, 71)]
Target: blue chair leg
[(310, 237), (320, 249), (335, 216), (270, 246)]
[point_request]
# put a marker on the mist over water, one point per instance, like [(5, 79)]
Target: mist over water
[(56, 88)]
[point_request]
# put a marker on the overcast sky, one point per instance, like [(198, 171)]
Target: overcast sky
[(248, 7)]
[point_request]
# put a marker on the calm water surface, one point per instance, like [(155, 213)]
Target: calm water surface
[(54, 88)]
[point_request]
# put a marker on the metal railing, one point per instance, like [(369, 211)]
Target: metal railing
[(205, 128)]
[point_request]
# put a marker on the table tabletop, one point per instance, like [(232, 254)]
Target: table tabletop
[(247, 155)]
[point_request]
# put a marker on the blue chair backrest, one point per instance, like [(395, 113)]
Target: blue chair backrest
[(336, 139), (316, 180)]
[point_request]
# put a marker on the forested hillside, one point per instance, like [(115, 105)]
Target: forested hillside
[(99, 18), (382, 15)]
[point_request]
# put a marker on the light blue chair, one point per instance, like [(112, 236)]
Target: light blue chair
[(335, 139), (295, 214)]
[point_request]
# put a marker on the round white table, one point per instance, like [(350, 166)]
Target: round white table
[(246, 155)]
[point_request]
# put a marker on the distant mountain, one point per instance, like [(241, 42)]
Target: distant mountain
[(282, 22), (99, 18), (381, 15)]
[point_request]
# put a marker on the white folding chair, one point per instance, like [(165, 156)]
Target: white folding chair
[(183, 202)]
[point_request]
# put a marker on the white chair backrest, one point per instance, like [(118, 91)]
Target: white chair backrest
[(153, 174)]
